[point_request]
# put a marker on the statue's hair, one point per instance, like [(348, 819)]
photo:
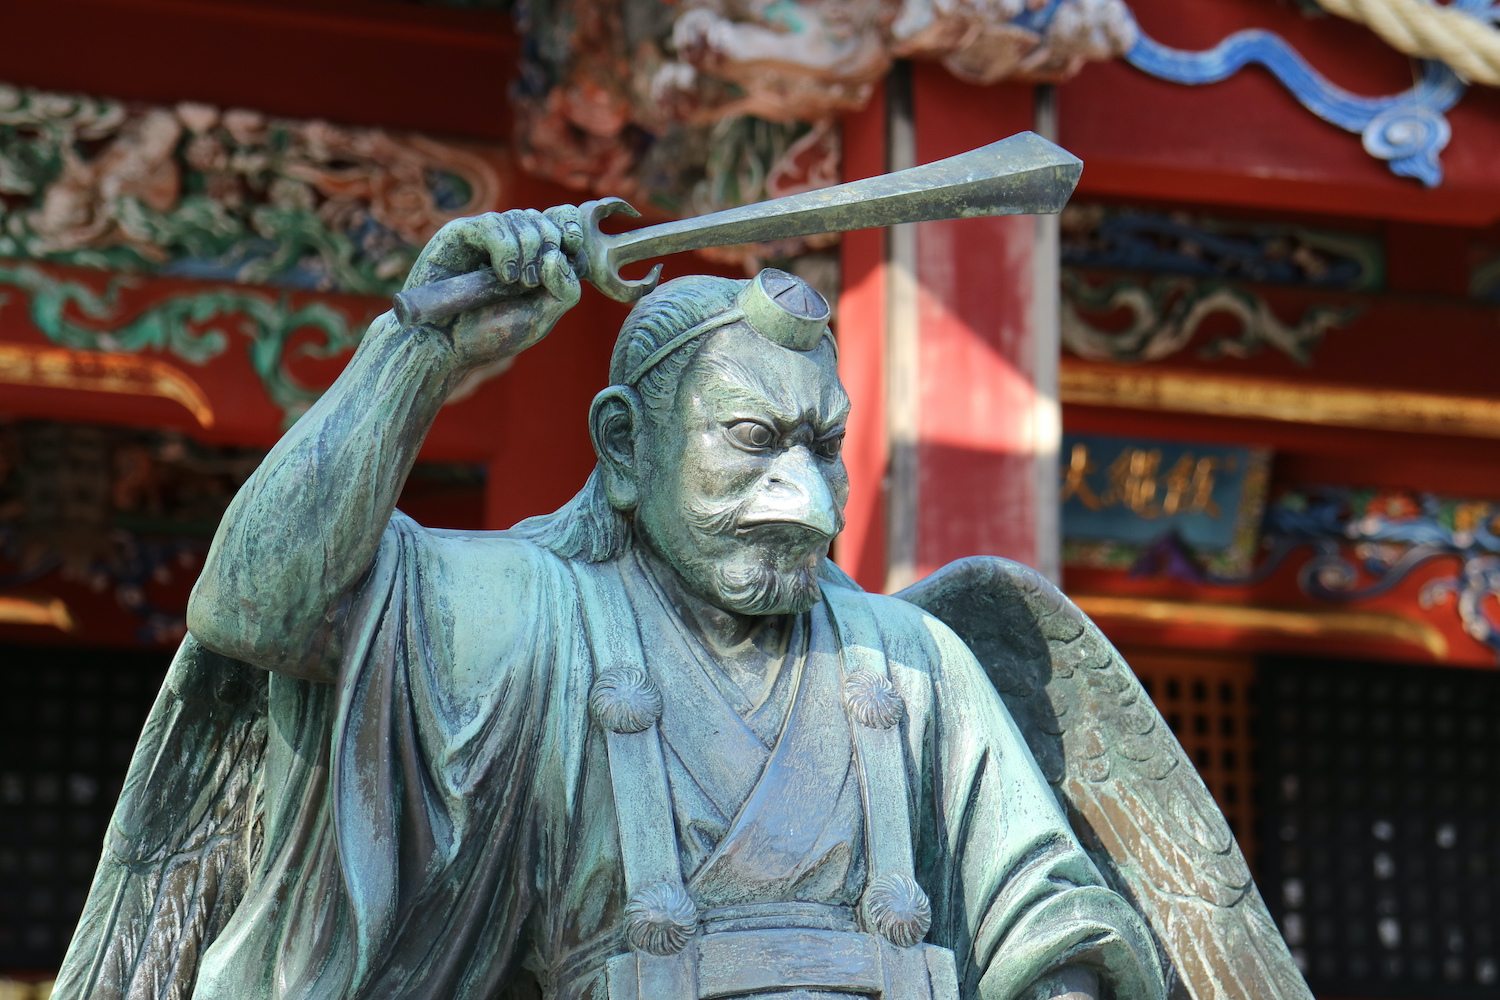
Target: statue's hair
[(588, 527)]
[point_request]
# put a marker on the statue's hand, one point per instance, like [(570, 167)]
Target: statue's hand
[(530, 251)]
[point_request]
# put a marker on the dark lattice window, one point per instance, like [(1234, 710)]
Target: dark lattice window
[(69, 720), (1381, 825)]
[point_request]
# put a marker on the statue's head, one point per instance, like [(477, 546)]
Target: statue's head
[(719, 441)]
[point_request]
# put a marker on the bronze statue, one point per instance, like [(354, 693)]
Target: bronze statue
[(654, 745)]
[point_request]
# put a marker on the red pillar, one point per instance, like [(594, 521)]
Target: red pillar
[(976, 425), (978, 431), (861, 330)]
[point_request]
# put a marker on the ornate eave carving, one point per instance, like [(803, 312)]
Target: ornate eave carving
[(705, 105), (641, 97), (232, 195)]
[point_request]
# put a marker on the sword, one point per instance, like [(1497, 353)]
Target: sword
[(1022, 175)]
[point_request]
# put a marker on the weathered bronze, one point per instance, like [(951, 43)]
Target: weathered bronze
[(1022, 175), (651, 746)]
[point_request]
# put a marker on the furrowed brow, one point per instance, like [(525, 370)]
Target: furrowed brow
[(835, 403), (739, 385)]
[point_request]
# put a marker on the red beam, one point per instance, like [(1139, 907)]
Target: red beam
[(365, 62), (975, 279)]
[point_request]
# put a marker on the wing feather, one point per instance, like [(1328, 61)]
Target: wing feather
[(181, 840), (1133, 796)]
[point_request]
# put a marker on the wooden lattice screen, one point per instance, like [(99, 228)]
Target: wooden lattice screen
[(69, 720), (1378, 790)]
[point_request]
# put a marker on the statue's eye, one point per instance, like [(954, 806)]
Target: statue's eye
[(753, 435), (830, 446)]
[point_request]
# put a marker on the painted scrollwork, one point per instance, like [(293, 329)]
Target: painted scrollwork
[(1408, 130), (234, 195), (1166, 313), (1365, 542), (1100, 235), (195, 326)]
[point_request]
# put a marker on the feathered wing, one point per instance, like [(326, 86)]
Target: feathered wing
[(1131, 793), (182, 838)]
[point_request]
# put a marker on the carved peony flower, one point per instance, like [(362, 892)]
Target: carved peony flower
[(897, 909), (624, 700), (872, 699), (660, 918)]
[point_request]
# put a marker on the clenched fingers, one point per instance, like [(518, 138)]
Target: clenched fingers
[(529, 234), (566, 219), (502, 244)]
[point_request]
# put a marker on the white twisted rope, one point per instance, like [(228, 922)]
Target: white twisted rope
[(1429, 31)]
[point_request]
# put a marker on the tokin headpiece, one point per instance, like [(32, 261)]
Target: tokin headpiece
[(779, 306)]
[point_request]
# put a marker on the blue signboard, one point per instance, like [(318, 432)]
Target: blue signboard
[(1120, 495)]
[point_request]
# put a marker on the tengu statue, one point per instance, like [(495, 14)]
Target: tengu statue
[(654, 745)]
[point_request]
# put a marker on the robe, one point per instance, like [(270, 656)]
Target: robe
[(440, 823)]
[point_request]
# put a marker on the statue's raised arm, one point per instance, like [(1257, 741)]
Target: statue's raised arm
[(305, 528)]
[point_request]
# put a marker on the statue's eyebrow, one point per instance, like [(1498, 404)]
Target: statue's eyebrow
[(836, 400), (741, 385)]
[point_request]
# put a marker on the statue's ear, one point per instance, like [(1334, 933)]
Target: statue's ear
[(616, 422)]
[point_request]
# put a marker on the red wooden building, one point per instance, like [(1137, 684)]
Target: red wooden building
[(1241, 398)]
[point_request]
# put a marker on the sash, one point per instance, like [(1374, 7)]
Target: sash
[(638, 774), (697, 717)]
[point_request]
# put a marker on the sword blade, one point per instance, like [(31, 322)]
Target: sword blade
[(1022, 175)]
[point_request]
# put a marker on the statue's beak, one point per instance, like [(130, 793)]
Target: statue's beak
[(793, 493)]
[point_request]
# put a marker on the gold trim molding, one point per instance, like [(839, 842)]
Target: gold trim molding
[(1212, 394), (1272, 621), (96, 371), (53, 611)]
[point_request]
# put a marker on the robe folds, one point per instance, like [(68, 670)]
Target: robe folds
[(440, 824)]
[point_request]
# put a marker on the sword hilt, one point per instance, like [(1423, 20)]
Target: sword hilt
[(594, 263)]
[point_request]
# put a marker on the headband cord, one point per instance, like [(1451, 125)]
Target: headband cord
[(691, 333)]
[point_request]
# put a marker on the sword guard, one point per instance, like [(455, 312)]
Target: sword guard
[(599, 265), (594, 262)]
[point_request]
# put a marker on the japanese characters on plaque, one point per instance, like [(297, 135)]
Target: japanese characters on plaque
[(1123, 496)]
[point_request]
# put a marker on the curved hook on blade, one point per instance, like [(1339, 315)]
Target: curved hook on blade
[(598, 250)]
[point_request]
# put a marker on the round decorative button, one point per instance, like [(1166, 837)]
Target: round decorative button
[(624, 700), (872, 699), (897, 909), (660, 918)]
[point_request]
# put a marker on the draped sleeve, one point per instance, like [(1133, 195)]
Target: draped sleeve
[(1014, 894), (399, 834), (443, 707)]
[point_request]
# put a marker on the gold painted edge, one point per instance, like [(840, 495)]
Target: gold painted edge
[(1272, 399), (97, 371), (53, 611), (1276, 621)]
